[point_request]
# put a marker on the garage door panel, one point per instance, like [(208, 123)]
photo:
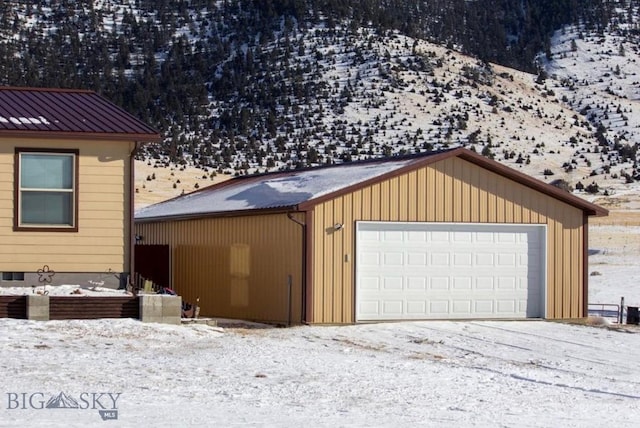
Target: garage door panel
[(485, 283), (369, 283), (439, 283), (369, 309), (434, 271), (462, 308), (417, 259), (369, 259), (417, 283), (392, 308), (461, 237), (462, 283), (507, 307), (440, 259), (416, 307), (439, 308), (392, 283), (484, 307), (462, 259), (393, 259), (506, 259), (485, 259)]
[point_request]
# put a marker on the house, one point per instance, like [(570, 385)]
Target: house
[(66, 176), (443, 235)]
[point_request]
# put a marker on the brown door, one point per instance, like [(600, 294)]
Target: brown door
[(153, 262)]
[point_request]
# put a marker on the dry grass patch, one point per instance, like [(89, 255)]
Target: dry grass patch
[(157, 184)]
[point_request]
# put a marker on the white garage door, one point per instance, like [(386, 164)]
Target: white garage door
[(437, 271)]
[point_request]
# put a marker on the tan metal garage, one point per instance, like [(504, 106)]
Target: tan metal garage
[(449, 234)]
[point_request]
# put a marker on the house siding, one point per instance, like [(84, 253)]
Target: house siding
[(450, 190), (238, 267), (101, 243)]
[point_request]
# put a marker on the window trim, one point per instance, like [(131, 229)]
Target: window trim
[(17, 195)]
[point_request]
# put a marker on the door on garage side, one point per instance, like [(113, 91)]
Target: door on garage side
[(410, 271)]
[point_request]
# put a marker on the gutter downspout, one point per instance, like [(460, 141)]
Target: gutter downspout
[(132, 186), (303, 309)]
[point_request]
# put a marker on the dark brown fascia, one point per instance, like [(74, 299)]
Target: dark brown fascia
[(50, 135), (562, 195), (36, 89), (219, 214)]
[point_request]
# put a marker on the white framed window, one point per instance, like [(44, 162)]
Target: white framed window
[(46, 190)]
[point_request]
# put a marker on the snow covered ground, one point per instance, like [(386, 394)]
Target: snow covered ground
[(526, 374)]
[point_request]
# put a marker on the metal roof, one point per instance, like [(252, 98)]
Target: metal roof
[(301, 190), (67, 112)]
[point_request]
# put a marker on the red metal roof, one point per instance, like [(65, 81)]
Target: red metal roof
[(68, 112)]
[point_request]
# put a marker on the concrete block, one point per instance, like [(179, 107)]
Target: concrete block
[(38, 307), (160, 308)]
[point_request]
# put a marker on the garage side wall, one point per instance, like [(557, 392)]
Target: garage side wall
[(238, 267), (451, 190)]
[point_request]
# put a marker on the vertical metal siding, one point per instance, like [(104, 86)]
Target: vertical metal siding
[(266, 249), (452, 190)]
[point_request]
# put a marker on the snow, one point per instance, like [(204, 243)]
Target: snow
[(271, 190), (613, 266), (482, 374), (63, 290)]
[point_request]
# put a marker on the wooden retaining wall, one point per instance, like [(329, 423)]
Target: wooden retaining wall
[(94, 307), (13, 307)]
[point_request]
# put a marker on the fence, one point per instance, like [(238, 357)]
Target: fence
[(605, 310), (13, 307), (617, 314), (67, 307)]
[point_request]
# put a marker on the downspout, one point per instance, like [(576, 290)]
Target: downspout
[(303, 309), (585, 266), (132, 186)]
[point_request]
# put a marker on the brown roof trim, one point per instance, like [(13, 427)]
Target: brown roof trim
[(475, 158), (515, 175), (51, 135), (36, 89), (198, 216)]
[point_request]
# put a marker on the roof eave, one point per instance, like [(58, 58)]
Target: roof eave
[(589, 208), (50, 135), (217, 214), (470, 156)]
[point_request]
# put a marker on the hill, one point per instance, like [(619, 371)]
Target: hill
[(239, 87)]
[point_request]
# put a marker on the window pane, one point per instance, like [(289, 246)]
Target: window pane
[(40, 171), (55, 208)]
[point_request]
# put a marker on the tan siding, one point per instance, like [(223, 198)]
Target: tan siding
[(238, 266), (103, 220), (447, 191)]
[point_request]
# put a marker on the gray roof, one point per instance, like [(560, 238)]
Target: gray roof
[(271, 191), (301, 189)]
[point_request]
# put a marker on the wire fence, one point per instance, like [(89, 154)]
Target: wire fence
[(615, 313)]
